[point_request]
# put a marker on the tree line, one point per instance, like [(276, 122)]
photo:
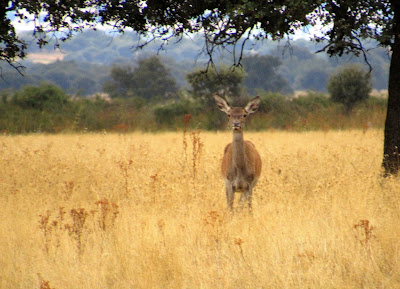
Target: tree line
[(151, 80), (146, 97), (149, 74)]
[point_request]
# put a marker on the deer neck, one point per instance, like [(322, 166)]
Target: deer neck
[(239, 156)]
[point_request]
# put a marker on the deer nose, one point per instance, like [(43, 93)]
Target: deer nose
[(236, 124)]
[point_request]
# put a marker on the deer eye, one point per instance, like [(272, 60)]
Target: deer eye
[(245, 115), (229, 115)]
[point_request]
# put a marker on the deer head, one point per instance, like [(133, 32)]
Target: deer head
[(237, 115)]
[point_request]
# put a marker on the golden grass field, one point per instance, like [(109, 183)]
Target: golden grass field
[(141, 211)]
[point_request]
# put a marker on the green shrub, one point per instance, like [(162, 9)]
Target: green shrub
[(168, 114), (312, 101), (309, 112), (46, 97), (349, 85), (273, 102)]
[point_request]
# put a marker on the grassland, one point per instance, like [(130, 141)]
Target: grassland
[(148, 211)]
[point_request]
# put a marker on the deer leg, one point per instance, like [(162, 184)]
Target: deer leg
[(243, 197), (246, 196), (249, 194), (230, 194)]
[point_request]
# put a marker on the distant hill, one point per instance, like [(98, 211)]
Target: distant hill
[(82, 63)]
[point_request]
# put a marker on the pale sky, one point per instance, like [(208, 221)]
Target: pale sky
[(305, 33)]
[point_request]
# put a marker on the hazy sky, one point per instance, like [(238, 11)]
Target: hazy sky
[(305, 33)]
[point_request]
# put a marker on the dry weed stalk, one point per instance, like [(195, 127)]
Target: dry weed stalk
[(78, 224), (43, 284), (186, 121), (213, 222), (125, 172), (154, 187), (45, 226), (69, 188), (161, 229), (364, 232), (60, 217), (54, 228), (197, 146), (108, 213), (239, 241)]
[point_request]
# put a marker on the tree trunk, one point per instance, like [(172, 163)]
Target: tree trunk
[(391, 150)]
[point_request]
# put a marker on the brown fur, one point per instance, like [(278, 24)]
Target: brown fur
[(252, 155)]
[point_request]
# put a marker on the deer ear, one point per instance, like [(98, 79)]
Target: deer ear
[(253, 105), (222, 104)]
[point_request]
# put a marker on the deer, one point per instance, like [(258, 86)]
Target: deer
[(241, 162)]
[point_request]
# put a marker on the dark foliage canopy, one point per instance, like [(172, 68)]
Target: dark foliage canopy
[(223, 22)]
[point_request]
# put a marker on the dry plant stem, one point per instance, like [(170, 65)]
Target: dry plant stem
[(43, 284), (124, 167), (78, 225), (196, 151), (186, 121), (364, 227), (108, 213), (75, 223)]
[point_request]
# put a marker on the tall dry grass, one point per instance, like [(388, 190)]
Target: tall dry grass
[(148, 211)]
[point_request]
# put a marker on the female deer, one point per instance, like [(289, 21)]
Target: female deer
[(241, 163)]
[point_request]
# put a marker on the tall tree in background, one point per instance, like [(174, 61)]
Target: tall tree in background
[(262, 73), (153, 80), (314, 78), (228, 24), (150, 79), (349, 86), (121, 82), (225, 81)]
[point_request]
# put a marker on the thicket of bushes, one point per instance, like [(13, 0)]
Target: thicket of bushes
[(48, 109)]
